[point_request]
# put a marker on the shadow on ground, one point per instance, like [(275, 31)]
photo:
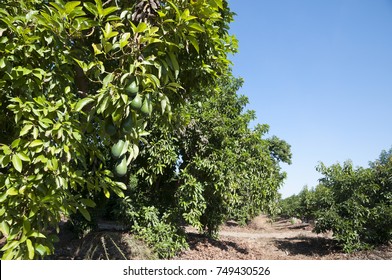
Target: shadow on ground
[(100, 245), (195, 240), (308, 246)]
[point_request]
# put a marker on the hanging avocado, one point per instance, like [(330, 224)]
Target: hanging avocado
[(117, 148), (121, 167), (146, 107), (128, 123), (132, 88), (136, 102), (110, 128)]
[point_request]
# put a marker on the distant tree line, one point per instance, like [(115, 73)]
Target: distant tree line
[(354, 203)]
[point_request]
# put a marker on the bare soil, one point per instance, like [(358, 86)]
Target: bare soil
[(267, 240), (262, 239)]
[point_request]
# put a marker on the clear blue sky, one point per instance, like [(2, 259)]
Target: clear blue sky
[(319, 72)]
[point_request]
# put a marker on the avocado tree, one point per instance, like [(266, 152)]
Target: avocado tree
[(355, 203), (80, 84), (208, 168), (359, 208), (307, 204), (230, 166)]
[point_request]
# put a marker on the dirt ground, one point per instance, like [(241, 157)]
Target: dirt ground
[(266, 240), (260, 240)]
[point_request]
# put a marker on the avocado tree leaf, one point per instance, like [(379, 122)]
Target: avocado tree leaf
[(194, 43), (12, 191), (85, 213), (42, 250), (4, 228), (175, 65), (88, 202), (70, 6), (99, 7), (25, 129), (121, 185), (118, 192), (108, 79), (23, 156), (26, 225), (17, 163), (109, 10), (30, 249), (82, 103), (196, 26), (91, 8), (36, 143)]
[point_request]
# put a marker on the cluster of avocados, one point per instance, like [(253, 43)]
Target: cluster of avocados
[(138, 105), (144, 106), (118, 151)]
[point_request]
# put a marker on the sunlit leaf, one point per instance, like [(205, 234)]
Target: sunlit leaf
[(30, 249), (17, 163), (70, 6), (36, 143), (82, 103), (4, 228), (42, 250), (23, 156)]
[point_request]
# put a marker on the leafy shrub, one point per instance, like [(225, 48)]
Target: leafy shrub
[(160, 227), (306, 204), (360, 212), (158, 231), (290, 207)]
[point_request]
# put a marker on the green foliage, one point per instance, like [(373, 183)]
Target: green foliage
[(307, 204), (64, 95), (211, 166), (290, 207), (360, 214), (132, 98), (207, 167), (159, 232), (226, 164), (354, 203)]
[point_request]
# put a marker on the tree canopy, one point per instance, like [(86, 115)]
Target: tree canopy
[(132, 98), (355, 203)]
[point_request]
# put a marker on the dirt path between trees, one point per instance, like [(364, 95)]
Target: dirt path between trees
[(257, 235), (280, 240), (260, 240)]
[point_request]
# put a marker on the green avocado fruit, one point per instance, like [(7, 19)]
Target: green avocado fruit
[(127, 124), (117, 148), (121, 167), (132, 88), (146, 107), (136, 103), (110, 128)]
